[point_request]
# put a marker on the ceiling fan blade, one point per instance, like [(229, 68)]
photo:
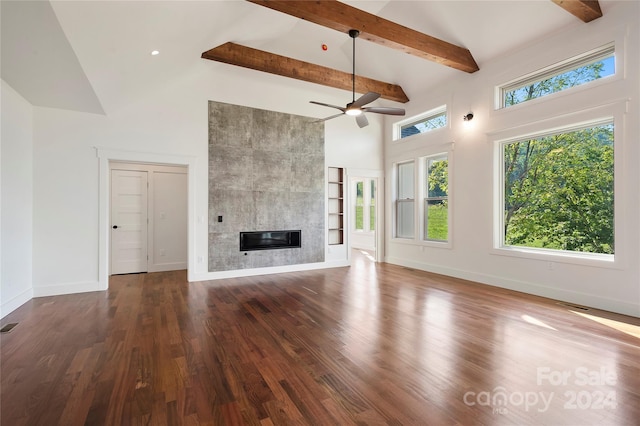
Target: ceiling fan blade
[(328, 105), (385, 110), (328, 118), (362, 120), (365, 99)]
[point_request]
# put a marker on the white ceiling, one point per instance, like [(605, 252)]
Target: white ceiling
[(94, 56)]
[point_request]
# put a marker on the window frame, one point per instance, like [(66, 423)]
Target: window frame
[(398, 201), (424, 190), (420, 118), (555, 69), (613, 113)]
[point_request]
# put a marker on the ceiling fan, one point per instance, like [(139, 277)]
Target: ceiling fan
[(356, 107)]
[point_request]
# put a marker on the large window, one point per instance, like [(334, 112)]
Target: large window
[(558, 77), (436, 198), (559, 190), (405, 209)]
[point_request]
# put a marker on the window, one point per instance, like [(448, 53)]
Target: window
[(422, 123), (436, 198), (364, 208), (405, 200), (573, 72), (372, 205), (359, 206), (558, 190)]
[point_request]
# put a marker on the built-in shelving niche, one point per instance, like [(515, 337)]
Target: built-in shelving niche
[(336, 205)]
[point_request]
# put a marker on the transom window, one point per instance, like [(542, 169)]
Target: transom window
[(426, 122), (558, 77)]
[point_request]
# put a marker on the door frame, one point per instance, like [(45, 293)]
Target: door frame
[(105, 156), (378, 177)]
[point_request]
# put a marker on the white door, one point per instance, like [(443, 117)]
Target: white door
[(128, 221)]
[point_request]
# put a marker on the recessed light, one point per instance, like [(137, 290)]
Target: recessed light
[(155, 52)]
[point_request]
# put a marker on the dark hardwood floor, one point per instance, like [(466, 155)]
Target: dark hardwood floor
[(371, 344)]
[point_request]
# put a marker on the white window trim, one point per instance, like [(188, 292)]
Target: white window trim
[(396, 199), (397, 126), (417, 240), (556, 69), (423, 194), (606, 113)]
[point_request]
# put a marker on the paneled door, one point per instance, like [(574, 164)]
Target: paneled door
[(128, 221)]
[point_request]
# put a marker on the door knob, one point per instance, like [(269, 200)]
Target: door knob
[(115, 226)]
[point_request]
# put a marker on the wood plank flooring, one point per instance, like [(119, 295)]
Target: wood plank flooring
[(371, 344)]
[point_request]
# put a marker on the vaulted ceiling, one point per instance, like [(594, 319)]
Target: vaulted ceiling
[(93, 56)]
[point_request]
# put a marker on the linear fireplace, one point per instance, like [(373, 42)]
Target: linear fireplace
[(269, 240)]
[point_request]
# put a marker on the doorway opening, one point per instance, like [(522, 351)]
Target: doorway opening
[(107, 157), (364, 215)]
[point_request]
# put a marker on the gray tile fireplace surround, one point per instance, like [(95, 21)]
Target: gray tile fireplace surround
[(266, 173)]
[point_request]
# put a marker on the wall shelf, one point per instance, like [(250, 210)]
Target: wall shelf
[(336, 205)]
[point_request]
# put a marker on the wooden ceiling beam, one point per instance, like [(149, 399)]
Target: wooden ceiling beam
[(342, 17), (586, 10), (247, 57)]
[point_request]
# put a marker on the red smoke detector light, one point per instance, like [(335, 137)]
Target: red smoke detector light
[(325, 47)]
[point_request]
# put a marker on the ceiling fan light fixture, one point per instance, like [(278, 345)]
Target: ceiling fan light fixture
[(356, 108)]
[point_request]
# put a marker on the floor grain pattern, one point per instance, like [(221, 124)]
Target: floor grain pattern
[(367, 345)]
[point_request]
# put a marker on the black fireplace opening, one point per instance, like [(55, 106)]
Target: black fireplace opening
[(269, 240)]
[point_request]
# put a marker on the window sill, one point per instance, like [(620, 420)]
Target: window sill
[(559, 256), (423, 243)]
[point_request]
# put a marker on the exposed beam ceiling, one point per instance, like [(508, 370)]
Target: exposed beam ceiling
[(248, 57), (587, 10), (342, 17)]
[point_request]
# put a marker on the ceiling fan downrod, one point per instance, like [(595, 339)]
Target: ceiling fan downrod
[(354, 34)]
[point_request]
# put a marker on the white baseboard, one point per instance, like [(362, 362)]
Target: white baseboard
[(237, 273), (14, 303), (583, 299), (69, 288)]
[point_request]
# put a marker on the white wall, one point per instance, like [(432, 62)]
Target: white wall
[(16, 200), (612, 286), (168, 124)]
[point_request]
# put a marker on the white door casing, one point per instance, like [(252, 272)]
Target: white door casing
[(128, 221)]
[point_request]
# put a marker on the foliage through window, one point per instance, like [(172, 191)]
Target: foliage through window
[(575, 72), (436, 200), (423, 123), (365, 204), (359, 206), (559, 190)]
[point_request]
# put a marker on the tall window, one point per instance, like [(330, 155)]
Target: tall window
[(573, 72), (365, 204), (405, 200), (372, 205), (436, 198), (359, 208), (559, 190)]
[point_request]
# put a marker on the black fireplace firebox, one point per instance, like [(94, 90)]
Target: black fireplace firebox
[(269, 240)]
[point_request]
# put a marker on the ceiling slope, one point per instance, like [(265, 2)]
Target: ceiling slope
[(248, 57), (342, 17), (586, 10), (38, 60)]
